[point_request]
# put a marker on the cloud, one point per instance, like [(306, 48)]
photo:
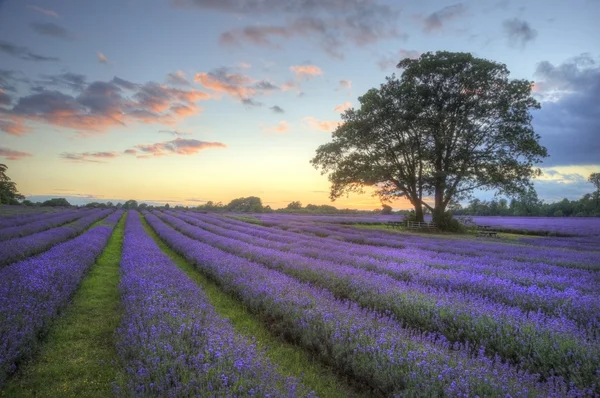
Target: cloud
[(306, 72), (13, 127), (103, 59), (178, 146), (345, 83), (323, 125), (277, 109), (73, 81), (264, 85), (52, 29), (568, 122), (100, 105), (250, 102), (178, 78), (24, 53), (343, 107), (4, 98), (88, 156), (436, 20), (389, 62), (174, 132), (130, 151), (330, 24), (43, 11), (518, 31), (222, 80), (11, 154), (281, 127)]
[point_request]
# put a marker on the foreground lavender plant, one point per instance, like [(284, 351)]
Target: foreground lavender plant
[(368, 346), (34, 291), (171, 340), (19, 248)]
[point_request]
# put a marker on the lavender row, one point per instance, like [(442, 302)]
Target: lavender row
[(34, 291), (560, 347), (171, 340), (573, 305), (18, 219), (20, 248), (571, 259), (40, 225), (533, 275), (367, 345), (583, 226)]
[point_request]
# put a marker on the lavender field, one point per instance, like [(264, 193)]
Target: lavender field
[(391, 312)]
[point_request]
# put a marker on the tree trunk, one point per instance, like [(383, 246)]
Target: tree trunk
[(418, 209)]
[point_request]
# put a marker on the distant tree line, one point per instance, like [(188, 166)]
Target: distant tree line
[(530, 205)]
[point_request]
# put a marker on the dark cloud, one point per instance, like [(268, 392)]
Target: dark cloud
[(250, 102), (124, 83), (11, 154), (52, 29), (277, 109), (9, 80), (4, 98), (518, 31), (23, 53), (436, 20), (330, 24), (265, 85), (70, 80), (568, 121)]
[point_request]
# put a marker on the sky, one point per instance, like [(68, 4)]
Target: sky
[(185, 101)]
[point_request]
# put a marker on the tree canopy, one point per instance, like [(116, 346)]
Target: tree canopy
[(450, 124), (8, 189)]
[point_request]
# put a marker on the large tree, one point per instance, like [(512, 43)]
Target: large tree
[(8, 188), (452, 123), (594, 178)]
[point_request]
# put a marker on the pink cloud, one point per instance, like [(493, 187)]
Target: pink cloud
[(103, 59), (221, 81), (11, 154), (343, 107), (88, 156), (103, 105), (279, 128), (306, 71), (14, 126), (43, 11), (178, 146), (323, 125), (345, 83)]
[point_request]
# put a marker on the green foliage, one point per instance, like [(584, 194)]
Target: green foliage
[(295, 205), (56, 202), (251, 204), (130, 204), (386, 209), (8, 189), (413, 137)]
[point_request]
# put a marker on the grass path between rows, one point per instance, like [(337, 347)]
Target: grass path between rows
[(291, 360), (78, 357)]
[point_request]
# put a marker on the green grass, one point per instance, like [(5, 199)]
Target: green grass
[(290, 359), (78, 357)]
